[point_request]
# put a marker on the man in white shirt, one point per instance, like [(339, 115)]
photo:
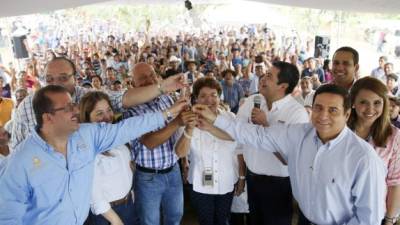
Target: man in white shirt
[(336, 177), (259, 71), (379, 71), (307, 92), (269, 192)]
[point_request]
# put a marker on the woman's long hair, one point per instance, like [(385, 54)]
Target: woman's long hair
[(381, 128)]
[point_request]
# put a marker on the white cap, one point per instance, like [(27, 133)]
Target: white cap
[(174, 59)]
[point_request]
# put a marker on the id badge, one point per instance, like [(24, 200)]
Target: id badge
[(208, 177)]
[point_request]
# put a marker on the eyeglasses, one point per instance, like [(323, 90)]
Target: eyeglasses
[(70, 107), (62, 78)]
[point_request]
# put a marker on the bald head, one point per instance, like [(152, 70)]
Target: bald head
[(61, 71), (144, 75)]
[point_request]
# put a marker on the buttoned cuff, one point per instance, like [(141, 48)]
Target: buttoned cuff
[(390, 182), (100, 207)]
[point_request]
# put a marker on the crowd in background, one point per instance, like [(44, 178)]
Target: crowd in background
[(229, 67)]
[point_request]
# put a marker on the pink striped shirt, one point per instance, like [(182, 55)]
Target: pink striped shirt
[(391, 157)]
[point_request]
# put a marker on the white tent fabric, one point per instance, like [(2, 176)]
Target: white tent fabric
[(22, 7)]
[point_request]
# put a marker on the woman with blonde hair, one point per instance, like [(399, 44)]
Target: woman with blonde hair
[(370, 120)]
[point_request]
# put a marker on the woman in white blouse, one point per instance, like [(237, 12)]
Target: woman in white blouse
[(112, 201), (211, 153)]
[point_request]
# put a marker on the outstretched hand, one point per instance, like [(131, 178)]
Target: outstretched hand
[(178, 106), (188, 119), (173, 83)]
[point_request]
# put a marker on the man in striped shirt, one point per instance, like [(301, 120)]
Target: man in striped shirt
[(61, 71), (158, 179)]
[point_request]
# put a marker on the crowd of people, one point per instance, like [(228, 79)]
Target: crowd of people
[(110, 132)]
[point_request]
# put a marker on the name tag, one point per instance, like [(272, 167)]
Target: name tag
[(208, 178)]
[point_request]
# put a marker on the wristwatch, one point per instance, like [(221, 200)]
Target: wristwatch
[(242, 178), (169, 115), (391, 220), (160, 89)]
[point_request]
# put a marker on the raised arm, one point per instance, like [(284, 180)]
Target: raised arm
[(106, 136), (183, 144), (270, 139), (153, 139), (139, 95)]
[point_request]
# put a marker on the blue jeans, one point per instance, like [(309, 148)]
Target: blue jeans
[(154, 191)]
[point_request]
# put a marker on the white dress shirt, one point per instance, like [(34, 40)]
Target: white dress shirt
[(240, 203), (306, 101), (284, 111), (112, 178), (254, 84), (207, 151), (2, 158), (339, 182)]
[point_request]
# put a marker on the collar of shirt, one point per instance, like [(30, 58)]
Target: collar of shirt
[(79, 93), (280, 103), (332, 143), (39, 140), (348, 88)]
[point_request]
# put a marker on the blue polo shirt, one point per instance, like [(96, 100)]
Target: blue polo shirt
[(39, 186)]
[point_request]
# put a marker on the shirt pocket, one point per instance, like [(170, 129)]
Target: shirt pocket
[(48, 186)]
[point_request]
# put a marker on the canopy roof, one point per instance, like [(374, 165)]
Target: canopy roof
[(22, 7)]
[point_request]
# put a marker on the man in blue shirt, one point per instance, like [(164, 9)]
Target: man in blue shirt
[(313, 70), (48, 179), (231, 90), (336, 177)]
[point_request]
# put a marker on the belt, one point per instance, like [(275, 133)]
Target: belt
[(148, 170), (265, 177), (121, 201)]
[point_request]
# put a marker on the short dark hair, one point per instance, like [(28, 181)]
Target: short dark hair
[(99, 77), (384, 58), (288, 73), (24, 90), (395, 100), (228, 71), (389, 64), (42, 103), (88, 102), (392, 76), (206, 82), (337, 90), (62, 58), (351, 50), (116, 82)]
